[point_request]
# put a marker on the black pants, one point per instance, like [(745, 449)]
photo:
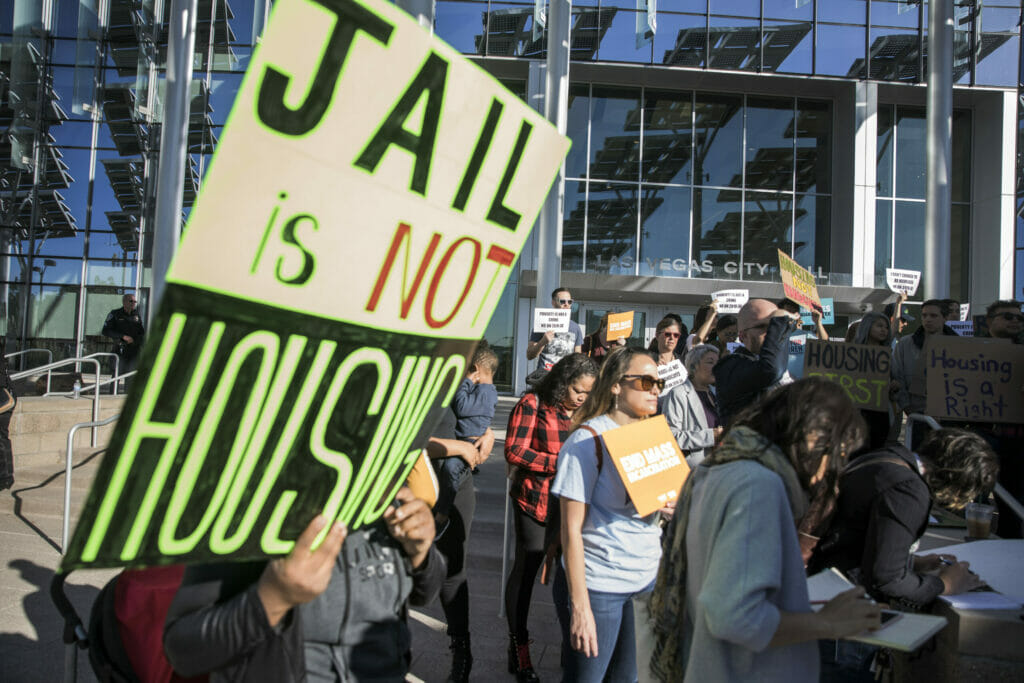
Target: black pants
[(452, 544), (6, 453), (529, 555)]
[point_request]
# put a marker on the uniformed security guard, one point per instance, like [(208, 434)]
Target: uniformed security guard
[(124, 326)]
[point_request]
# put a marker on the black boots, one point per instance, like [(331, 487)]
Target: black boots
[(462, 659), (519, 660)]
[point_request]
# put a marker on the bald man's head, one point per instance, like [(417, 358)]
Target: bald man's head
[(752, 323)]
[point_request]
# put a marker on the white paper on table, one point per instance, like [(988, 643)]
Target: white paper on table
[(673, 373), (982, 600), (998, 563), (730, 300), (903, 280), (555, 319), (826, 585)]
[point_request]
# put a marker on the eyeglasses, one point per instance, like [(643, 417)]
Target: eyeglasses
[(565, 302), (645, 382), (671, 335), (1010, 317), (762, 326)]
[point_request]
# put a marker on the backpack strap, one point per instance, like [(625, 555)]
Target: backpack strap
[(598, 446)]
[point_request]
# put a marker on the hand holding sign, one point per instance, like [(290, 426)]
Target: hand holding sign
[(798, 283), (620, 325)]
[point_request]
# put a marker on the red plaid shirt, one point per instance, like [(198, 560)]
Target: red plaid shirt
[(535, 434)]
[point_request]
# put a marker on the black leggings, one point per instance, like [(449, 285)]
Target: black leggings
[(529, 556), (452, 544)]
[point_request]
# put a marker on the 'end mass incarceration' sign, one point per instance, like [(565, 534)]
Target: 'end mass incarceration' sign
[(369, 197)]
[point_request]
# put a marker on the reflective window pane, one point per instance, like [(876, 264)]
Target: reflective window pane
[(960, 180), (895, 55), (843, 11), (908, 243), (717, 219), (615, 134), (746, 8), (813, 146), (886, 138), (789, 9), (767, 227), (618, 42), (883, 240), (998, 59), (734, 44), (461, 24), (611, 228), (664, 231), (718, 140), (840, 51), (573, 224), (787, 47), (510, 32), (576, 129), (667, 148), (895, 13), (681, 40), (812, 232), (769, 153), (911, 165)]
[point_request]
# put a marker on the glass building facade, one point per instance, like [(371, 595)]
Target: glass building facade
[(698, 152)]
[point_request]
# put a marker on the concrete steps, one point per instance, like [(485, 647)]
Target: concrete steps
[(40, 425)]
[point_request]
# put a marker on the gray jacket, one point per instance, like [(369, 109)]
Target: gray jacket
[(685, 414)]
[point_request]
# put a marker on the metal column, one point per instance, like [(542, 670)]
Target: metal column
[(556, 105), (939, 147), (421, 10), (173, 143)]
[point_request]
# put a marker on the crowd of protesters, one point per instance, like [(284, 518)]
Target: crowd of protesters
[(787, 478)]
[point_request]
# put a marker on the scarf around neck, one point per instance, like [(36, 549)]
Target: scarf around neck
[(668, 601)]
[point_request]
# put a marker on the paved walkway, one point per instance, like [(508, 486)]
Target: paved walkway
[(30, 628)]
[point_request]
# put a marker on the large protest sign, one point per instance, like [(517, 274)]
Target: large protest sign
[(974, 379), (905, 281), (730, 300), (369, 196), (554, 319), (862, 370), (798, 283), (649, 461)]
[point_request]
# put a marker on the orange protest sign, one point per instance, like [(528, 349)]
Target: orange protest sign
[(649, 461), (798, 283), (620, 325)]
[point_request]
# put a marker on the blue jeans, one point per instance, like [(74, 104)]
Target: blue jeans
[(616, 638)]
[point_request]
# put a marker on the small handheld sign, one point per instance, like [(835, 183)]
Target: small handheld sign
[(649, 461), (828, 316), (673, 373), (798, 283), (905, 281), (730, 300), (963, 328), (553, 319), (365, 206), (620, 325)]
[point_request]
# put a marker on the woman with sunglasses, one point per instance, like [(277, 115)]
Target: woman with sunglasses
[(610, 552), (668, 337), (537, 427)]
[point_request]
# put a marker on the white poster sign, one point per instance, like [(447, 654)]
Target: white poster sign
[(965, 328), (903, 280), (555, 319), (965, 311), (730, 300), (673, 373)]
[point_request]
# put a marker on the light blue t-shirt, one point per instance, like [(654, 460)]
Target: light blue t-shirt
[(621, 549)]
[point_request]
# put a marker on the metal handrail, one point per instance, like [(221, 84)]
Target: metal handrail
[(13, 354), (61, 363), (65, 527), (1001, 493), (117, 363), (87, 387)]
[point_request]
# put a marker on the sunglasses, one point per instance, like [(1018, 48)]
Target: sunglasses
[(565, 301), (671, 335), (645, 382), (1010, 317)]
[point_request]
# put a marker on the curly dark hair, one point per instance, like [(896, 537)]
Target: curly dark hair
[(553, 388), (959, 466), (791, 414)]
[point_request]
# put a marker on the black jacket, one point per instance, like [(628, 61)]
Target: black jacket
[(355, 630), (120, 323), (882, 511), (741, 377)]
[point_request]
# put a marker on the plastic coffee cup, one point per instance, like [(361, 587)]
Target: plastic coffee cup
[(979, 520)]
